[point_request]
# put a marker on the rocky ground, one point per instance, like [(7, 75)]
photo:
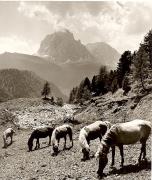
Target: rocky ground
[(17, 163)]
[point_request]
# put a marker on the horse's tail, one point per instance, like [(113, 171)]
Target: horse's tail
[(82, 140), (148, 128)]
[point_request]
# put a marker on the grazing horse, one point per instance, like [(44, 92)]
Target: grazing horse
[(61, 132), (8, 133), (39, 133), (91, 132), (123, 134)]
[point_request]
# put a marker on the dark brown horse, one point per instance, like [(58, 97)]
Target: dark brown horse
[(39, 133)]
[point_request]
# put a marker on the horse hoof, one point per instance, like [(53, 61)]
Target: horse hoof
[(100, 175), (83, 159), (145, 160)]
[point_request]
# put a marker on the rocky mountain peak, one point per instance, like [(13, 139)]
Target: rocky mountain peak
[(61, 46)]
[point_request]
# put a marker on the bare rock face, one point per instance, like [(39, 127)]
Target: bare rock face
[(61, 47), (104, 53)]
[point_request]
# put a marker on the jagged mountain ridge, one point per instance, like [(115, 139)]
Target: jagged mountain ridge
[(104, 53), (22, 84), (61, 47)]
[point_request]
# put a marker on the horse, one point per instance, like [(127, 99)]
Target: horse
[(91, 132), (39, 133), (61, 132), (123, 134), (8, 133)]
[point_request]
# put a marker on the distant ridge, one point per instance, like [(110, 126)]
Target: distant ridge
[(22, 84), (104, 53)]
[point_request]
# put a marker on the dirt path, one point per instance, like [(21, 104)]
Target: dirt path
[(16, 163)]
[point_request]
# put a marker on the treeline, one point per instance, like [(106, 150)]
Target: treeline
[(132, 68)]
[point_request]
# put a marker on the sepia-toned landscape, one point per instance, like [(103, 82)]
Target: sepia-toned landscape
[(74, 63)]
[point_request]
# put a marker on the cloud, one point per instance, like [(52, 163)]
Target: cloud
[(40, 12), (16, 44), (139, 18), (111, 22)]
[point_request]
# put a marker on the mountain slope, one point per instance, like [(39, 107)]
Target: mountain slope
[(65, 76), (18, 84), (104, 53)]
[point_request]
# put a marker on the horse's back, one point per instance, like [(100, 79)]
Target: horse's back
[(96, 126), (42, 132), (63, 127), (9, 131), (132, 131)]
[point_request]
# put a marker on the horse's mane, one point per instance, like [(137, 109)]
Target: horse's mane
[(110, 135), (82, 139), (53, 137)]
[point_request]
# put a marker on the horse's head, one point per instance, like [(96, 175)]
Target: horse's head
[(85, 153), (103, 160), (30, 144), (55, 148)]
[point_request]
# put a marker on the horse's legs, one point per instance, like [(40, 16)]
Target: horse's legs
[(49, 140), (5, 144), (38, 143), (70, 137), (122, 154), (58, 142), (113, 156), (142, 151), (11, 139), (64, 142), (100, 138)]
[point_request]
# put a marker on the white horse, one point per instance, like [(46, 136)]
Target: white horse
[(91, 132), (8, 133), (123, 134), (58, 133)]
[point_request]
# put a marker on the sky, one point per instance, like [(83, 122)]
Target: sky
[(122, 24)]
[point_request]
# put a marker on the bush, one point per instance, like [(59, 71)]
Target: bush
[(59, 101)]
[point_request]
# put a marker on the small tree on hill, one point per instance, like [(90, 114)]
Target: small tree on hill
[(46, 90)]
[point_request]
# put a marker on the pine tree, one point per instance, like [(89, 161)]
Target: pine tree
[(141, 67), (126, 85), (148, 46), (85, 84), (46, 90), (123, 66)]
